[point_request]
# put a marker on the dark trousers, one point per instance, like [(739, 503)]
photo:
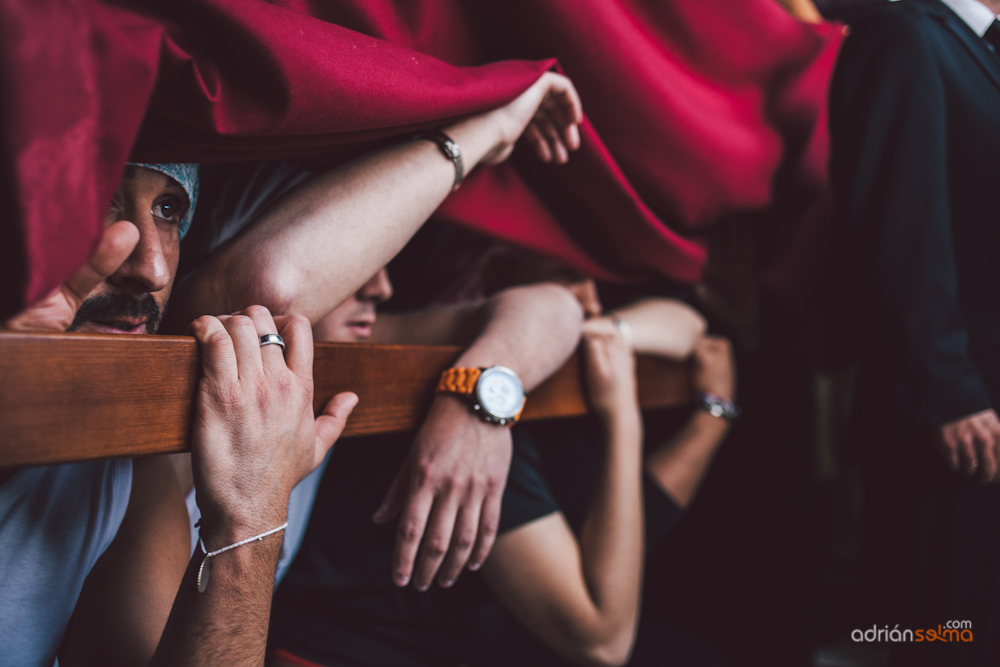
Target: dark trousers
[(933, 554)]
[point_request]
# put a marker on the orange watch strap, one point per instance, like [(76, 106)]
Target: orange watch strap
[(516, 418), (459, 380)]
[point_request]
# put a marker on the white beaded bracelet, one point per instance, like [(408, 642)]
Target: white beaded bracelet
[(206, 568)]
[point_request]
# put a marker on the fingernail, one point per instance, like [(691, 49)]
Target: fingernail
[(447, 583), (423, 588), (401, 580), (474, 566)]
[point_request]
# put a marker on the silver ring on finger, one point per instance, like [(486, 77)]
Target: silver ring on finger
[(272, 339)]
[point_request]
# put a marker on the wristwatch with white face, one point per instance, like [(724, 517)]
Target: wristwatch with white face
[(496, 392), (718, 406)]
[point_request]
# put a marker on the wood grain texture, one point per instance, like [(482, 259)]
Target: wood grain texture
[(75, 397)]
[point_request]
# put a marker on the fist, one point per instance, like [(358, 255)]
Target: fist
[(610, 374)]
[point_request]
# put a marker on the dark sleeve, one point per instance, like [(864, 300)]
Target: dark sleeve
[(662, 513), (527, 496), (888, 126)]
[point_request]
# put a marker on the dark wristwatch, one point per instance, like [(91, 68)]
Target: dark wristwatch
[(718, 406), (449, 149)]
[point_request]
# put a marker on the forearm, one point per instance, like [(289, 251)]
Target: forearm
[(679, 465), (661, 327), (580, 595), (456, 324), (319, 243), (532, 330), (611, 540), (227, 623)]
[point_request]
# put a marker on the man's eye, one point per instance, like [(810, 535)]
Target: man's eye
[(167, 209)]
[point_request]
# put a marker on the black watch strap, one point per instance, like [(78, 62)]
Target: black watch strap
[(718, 406), (449, 149)]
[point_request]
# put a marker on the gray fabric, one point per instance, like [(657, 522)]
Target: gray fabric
[(55, 522)]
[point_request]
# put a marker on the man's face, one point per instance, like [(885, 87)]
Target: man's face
[(352, 321), (133, 298)]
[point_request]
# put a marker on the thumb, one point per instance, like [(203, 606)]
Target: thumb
[(116, 244), (393, 502), (331, 423)]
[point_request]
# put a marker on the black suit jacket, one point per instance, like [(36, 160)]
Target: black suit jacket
[(915, 129)]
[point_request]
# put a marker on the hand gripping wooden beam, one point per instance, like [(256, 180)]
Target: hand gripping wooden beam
[(76, 397)]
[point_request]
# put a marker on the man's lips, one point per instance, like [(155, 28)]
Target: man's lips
[(115, 327), (361, 328)]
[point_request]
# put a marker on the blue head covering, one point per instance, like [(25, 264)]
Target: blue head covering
[(186, 175)]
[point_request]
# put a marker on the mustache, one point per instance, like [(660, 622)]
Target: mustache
[(117, 306)]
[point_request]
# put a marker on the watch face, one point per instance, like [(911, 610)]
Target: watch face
[(499, 392)]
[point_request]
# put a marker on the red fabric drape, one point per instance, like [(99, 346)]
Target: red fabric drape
[(696, 109)]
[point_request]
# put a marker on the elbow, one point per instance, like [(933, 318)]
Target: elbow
[(611, 652), (609, 645), (557, 300), (566, 317), (557, 312), (697, 328), (698, 324), (563, 307), (276, 285), (686, 325)]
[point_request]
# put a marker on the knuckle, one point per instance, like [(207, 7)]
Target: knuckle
[(435, 547), (464, 541), (448, 486), (423, 473), (409, 531), (241, 322), (200, 324), (479, 480), (282, 382), (257, 311), (488, 529), (228, 395), (217, 338), (262, 392)]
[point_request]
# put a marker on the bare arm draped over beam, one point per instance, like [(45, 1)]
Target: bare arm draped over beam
[(449, 490), (319, 243)]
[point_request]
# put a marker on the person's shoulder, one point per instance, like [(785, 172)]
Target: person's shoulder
[(894, 39), (901, 23)]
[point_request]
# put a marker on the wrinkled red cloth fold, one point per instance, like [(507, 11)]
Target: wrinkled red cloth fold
[(696, 109)]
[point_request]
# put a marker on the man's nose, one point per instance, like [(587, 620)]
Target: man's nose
[(147, 268), (379, 288)]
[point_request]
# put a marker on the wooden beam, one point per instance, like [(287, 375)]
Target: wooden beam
[(75, 397)]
